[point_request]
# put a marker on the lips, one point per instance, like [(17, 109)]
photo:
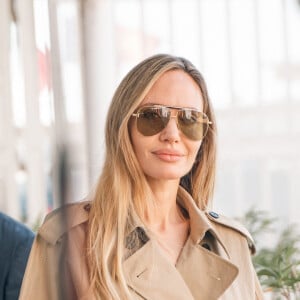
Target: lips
[(168, 155)]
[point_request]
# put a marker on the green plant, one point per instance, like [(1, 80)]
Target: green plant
[(278, 268), (257, 222)]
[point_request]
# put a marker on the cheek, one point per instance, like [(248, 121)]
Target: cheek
[(195, 148), (138, 151), (137, 142)]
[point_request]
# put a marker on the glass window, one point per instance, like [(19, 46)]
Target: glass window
[(215, 51), (272, 50), (69, 42), (251, 183), (17, 81), (293, 29), (244, 52), (280, 193), (276, 123), (225, 191), (127, 16), (42, 39), (186, 29), (295, 120), (156, 35)]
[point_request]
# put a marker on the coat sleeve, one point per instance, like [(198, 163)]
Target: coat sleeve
[(46, 273), (259, 295)]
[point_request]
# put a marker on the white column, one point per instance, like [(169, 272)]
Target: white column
[(99, 66), (8, 190), (33, 131)]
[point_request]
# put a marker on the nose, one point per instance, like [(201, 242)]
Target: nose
[(171, 132)]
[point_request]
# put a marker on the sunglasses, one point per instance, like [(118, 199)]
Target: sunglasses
[(153, 119)]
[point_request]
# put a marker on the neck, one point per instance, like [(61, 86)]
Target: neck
[(164, 212)]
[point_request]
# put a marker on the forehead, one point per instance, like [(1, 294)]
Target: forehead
[(175, 88)]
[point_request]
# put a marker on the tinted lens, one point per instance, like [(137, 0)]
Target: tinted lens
[(193, 124), (152, 120)]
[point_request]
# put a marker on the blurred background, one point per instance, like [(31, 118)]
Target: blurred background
[(61, 60)]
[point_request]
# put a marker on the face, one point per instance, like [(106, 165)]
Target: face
[(169, 154)]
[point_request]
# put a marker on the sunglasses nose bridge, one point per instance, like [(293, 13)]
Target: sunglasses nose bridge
[(173, 111), (173, 114)]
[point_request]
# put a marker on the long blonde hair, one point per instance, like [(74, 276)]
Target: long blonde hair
[(122, 192)]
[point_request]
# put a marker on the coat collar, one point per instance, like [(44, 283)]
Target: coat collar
[(198, 274), (199, 222), (199, 225)]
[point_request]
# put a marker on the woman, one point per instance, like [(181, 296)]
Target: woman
[(147, 232)]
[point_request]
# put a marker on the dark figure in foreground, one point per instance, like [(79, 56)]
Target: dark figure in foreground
[(15, 245)]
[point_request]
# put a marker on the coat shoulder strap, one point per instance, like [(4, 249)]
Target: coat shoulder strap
[(63, 219), (233, 224)]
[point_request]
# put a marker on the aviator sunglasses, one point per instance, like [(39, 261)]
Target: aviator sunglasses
[(153, 119)]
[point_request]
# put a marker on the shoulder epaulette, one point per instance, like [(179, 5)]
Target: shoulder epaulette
[(233, 224), (61, 220)]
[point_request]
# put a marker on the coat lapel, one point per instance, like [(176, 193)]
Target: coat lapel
[(199, 274), (206, 274), (152, 276)]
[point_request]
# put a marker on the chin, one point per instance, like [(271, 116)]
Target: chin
[(166, 176)]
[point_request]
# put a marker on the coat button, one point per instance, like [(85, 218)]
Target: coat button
[(214, 214)]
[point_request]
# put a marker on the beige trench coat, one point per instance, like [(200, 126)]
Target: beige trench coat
[(215, 262)]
